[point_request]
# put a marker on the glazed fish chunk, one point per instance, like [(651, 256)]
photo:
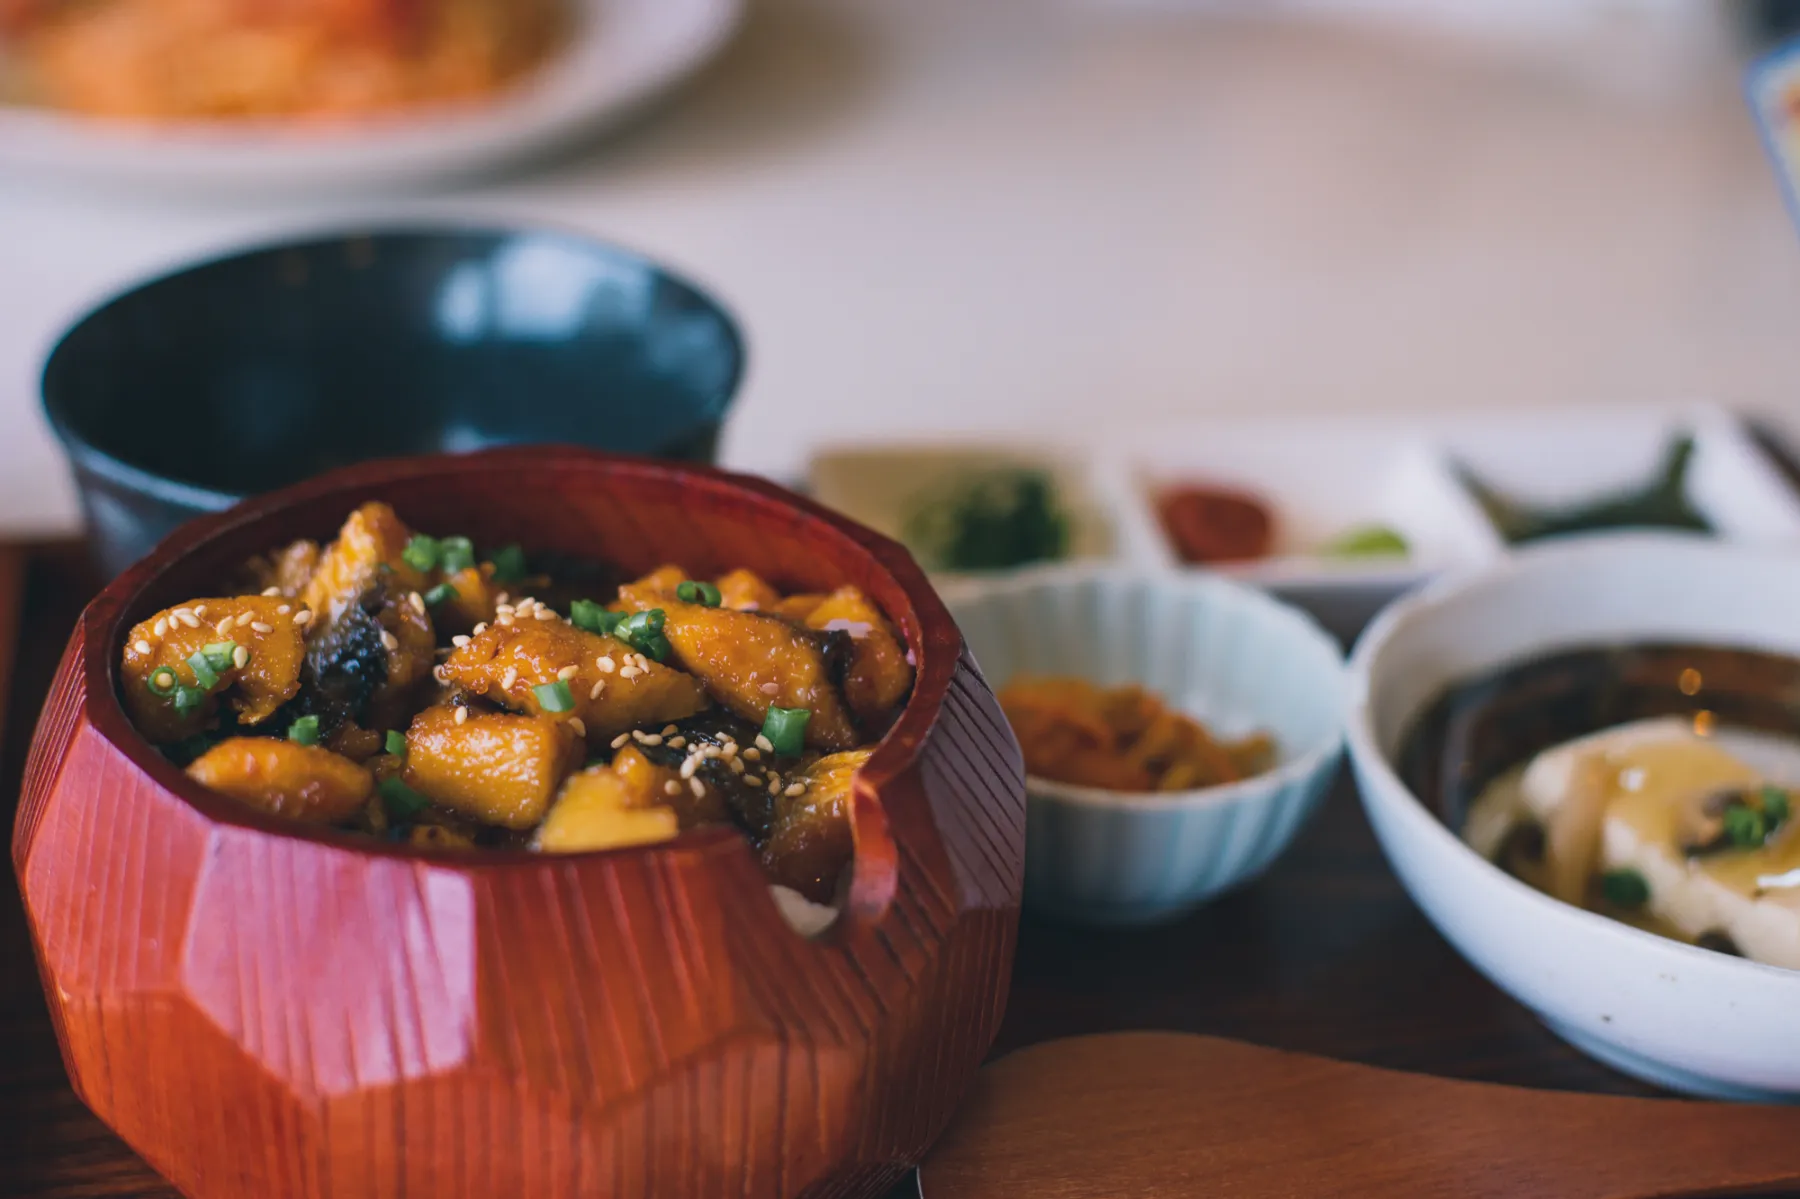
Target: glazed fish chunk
[(302, 782), (250, 651)]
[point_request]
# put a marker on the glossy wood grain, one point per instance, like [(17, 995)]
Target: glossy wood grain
[(1154, 1114), (264, 1010)]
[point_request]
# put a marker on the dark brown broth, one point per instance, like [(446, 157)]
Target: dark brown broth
[(1482, 727)]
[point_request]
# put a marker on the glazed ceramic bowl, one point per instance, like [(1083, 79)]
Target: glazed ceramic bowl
[(239, 375), (261, 1008), (1669, 1013), (1215, 649)]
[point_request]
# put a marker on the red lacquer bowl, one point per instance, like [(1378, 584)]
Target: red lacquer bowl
[(263, 1010)]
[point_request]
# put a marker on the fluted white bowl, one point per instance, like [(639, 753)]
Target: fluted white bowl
[(1670, 1013), (1218, 650)]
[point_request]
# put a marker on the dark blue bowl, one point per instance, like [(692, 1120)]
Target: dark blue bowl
[(248, 373)]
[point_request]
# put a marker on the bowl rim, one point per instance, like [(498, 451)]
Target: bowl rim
[(312, 239), (1389, 792), (1206, 584), (935, 641)]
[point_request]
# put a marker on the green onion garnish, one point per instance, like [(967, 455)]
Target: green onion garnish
[(188, 699), (1775, 805), (396, 742), (422, 552), (304, 731), (695, 592), (643, 632), (219, 655), (509, 564), (786, 729), (443, 593), (554, 697), (1625, 888), (204, 674), (400, 800), (456, 554), (1745, 827), (162, 681), (595, 618)]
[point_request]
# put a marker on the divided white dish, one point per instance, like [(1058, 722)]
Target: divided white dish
[(1214, 648), (1673, 1014)]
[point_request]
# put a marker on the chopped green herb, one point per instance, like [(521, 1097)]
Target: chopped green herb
[(554, 697), (401, 801), (695, 592), (188, 699), (1745, 827), (1776, 806), (396, 742), (304, 731), (594, 618), (786, 729), (1369, 541), (643, 631), (219, 655), (1625, 888), (456, 554), (162, 681), (443, 593), (656, 647), (204, 674), (509, 564), (991, 521), (422, 552)]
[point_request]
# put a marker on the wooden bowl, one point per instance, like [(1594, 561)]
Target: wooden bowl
[(261, 1008)]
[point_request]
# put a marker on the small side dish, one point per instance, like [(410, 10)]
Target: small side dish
[(989, 520), (1661, 503), (1122, 738), (181, 59), (1211, 525), (411, 687)]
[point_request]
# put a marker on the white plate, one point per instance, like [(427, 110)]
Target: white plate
[(622, 53)]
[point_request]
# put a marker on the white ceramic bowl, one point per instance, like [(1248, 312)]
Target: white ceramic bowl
[(1672, 1014), (1216, 649)]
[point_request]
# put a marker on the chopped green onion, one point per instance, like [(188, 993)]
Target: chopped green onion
[(1625, 888), (1745, 827), (219, 655), (554, 697), (396, 742), (656, 647), (443, 593), (1775, 805), (643, 632), (422, 552), (188, 699), (595, 618), (304, 731), (786, 729), (509, 564), (162, 681), (400, 800), (696, 592), (457, 554), (204, 674)]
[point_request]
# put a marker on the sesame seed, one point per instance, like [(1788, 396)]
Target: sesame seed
[(711, 751), (753, 780), (199, 609), (580, 726), (771, 688), (754, 754), (225, 625), (671, 788), (388, 640), (643, 663), (596, 689), (669, 730), (730, 750), (161, 628), (698, 788), (764, 744), (629, 672), (794, 789), (774, 785), (282, 610), (459, 641), (619, 741), (259, 627), (605, 664), (501, 598), (505, 609), (190, 620), (240, 657), (568, 672), (774, 774), (509, 678), (271, 592), (480, 628), (504, 620), (142, 647), (677, 742), (650, 739), (303, 617), (462, 716), (178, 613), (688, 766), (737, 767), (544, 613), (417, 601)]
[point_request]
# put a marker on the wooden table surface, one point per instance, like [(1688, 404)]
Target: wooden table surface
[(1324, 954)]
